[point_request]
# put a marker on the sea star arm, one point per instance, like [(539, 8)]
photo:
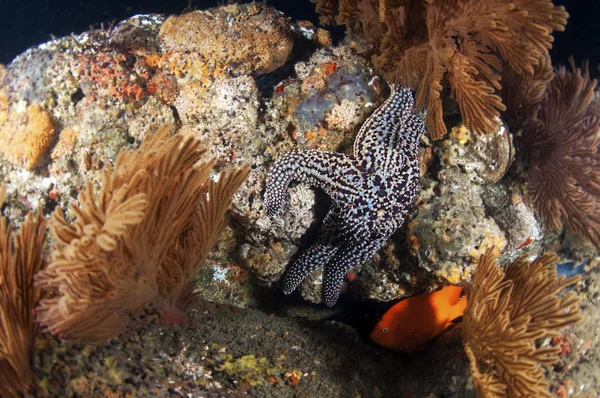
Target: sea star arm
[(350, 254), (335, 173), (316, 256), (310, 260), (386, 132), (416, 126)]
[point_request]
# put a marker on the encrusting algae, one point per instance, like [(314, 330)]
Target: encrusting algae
[(26, 134), (206, 40), (20, 259), (25, 137), (133, 250), (508, 312)]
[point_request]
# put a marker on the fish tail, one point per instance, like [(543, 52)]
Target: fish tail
[(459, 308), (453, 293)]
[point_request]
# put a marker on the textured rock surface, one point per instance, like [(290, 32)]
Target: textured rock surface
[(250, 39), (226, 351), (104, 90), (283, 86)]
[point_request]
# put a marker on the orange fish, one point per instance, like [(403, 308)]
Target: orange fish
[(412, 323)]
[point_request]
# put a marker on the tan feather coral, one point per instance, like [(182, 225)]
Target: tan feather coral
[(467, 43), (507, 312), (20, 260), (133, 249), (557, 124), (564, 160)]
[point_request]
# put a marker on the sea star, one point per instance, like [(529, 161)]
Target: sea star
[(371, 191)]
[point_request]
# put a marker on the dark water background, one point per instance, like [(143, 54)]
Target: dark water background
[(25, 23)]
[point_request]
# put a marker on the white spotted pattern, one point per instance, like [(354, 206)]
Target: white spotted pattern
[(371, 192)]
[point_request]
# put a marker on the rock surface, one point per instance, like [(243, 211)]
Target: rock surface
[(252, 85)]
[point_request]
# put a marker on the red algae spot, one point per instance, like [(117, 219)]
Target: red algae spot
[(293, 377), (563, 343), (561, 391), (330, 67), (173, 316), (279, 88), (54, 193), (527, 242), (164, 87), (108, 75)]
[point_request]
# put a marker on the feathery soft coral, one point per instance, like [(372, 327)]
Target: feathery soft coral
[(20, 259), (467, 43), (509, 309), (133, 249), (557, 121)]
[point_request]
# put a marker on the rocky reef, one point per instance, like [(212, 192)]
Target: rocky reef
[(251, 85), (71, 104)]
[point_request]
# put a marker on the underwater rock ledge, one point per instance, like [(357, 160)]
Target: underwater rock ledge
[(69, 105), (252, 85)]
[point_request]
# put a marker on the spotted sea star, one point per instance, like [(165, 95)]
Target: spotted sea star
[(371, 191)]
